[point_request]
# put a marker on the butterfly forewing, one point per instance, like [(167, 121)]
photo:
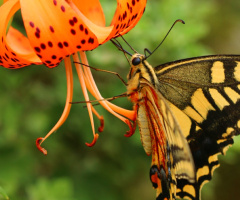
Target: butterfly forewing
[(207, 90)]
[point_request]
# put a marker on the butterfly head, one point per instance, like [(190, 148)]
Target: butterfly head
[(136, 65)]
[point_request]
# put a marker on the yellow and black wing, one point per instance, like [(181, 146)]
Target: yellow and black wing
[(162, 137), (204, 95)]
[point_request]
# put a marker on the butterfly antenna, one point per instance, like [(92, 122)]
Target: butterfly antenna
[(119, 46), (128, 44), (150, 53)]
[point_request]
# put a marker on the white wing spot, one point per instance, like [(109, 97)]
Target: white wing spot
[(193, 114), (220, 101), (237, 72), (238, 123), (200, 103), (218, 75), (228, 132), (202, 171), (234, 96), (190, 190)]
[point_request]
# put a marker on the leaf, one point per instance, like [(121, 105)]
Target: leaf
[(3, 195)]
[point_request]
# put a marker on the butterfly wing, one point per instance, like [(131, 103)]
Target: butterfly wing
[(171, 156), (207, 90)]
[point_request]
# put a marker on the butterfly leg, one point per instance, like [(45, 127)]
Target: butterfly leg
[(134, 124)]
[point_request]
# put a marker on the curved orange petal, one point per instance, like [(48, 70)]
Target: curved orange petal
[(55, 30), (127, 15), (15, 49), (101, 32), (92, 9)]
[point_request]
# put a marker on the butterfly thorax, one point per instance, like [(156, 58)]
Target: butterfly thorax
[(140, 70)]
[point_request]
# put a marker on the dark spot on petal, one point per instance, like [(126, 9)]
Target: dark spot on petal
[(13, 59), (39, 55), (65, 44), (86, 31), (83, 41), (60, 58), (37, 34), (90, 40), (60, 45), (51, 29), (55, 2), (13, 53), (78, 47), (75, 20), (37, 49), (133, 2), (31, 24), (50, 44), (124, 15), (117, 26), (37, 30), (73, 31), (134, 17), (63, 8), (71, 22), (81, 27), (54, 57), (43, 46)]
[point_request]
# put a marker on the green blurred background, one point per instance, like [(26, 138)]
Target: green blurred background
[(116, 168)]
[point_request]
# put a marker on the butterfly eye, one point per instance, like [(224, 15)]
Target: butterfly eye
[(136, 61)]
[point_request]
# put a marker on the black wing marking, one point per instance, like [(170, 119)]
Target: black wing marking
[(207, 90)]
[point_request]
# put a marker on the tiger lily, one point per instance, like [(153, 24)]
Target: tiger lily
[(57, 29)]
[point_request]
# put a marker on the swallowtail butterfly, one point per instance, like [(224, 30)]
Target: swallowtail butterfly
[(188, 112)]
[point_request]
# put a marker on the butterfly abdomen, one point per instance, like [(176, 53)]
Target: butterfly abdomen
[(144, 130)]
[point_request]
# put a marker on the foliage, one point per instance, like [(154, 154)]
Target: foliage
[(116, 168)]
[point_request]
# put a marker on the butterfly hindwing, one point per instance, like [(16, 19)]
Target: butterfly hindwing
[(171, 157)]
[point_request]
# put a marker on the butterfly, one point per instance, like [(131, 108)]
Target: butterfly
[(187, 112)]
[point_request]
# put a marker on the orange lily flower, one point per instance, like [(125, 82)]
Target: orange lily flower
[(57, 29)]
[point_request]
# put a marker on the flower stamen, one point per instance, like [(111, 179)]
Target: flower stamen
[(44, 151), (67, 107), (101, 119), (113, 109), (82, 80)]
